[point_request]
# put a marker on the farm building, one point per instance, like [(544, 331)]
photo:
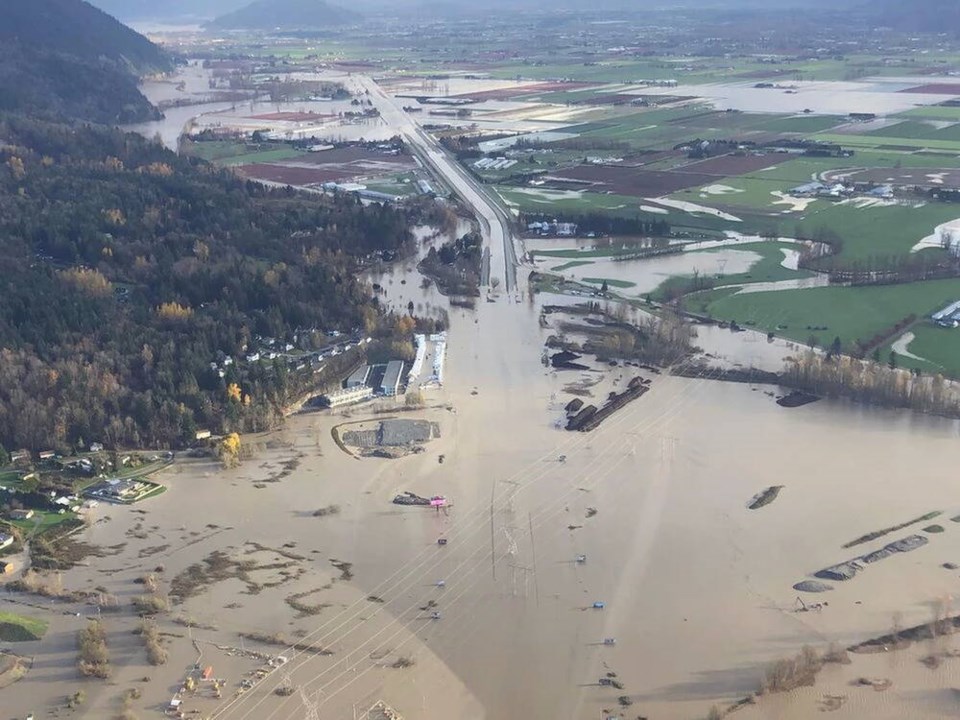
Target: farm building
[(390, 384), (347, 396), (358, 378), (811, 188), (21, 514), (117, 490), (948, 316)]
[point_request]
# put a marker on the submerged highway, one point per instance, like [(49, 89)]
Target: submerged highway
[(494, 223)]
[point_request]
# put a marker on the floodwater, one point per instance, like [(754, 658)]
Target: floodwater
[(647, 274), (697, 589), (196, 90), (819, 97)]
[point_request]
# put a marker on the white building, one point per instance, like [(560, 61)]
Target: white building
[(348, 396)]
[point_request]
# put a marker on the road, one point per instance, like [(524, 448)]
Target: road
[(495, 225)]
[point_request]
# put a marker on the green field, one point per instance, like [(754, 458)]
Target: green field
[(850, 313), (940, 347), (609, 281), (536, 200), (768, 268), (42, 521), (874, 141), (804, 169), (865, 231), (575, 253), (754, 193), (570, 265), (933, 112), (226, 152), (18, 628), (918, 129), (802, 124), (873, 231), (665, 127), (533, 201), (402, 185)]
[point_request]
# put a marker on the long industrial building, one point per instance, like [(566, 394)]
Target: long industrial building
[(391, 378)]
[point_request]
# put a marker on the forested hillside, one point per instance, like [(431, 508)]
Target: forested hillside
[(127, 270), (67, 58)]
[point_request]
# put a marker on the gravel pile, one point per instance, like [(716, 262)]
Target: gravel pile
[(407, 432)]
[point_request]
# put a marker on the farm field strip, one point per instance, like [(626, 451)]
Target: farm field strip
[(866, 310)]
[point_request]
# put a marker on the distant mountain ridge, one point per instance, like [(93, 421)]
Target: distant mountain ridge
[(286, 14), (67, 58), (171, 10), (921, 16), (77, 28)]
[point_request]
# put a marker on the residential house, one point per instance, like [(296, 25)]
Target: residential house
[(21, 514), (5, 540)]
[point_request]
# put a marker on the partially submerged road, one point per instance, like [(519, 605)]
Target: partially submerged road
[(494, 222)]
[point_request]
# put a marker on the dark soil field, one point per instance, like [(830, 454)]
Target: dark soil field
[(935, 89), (286, 175), (647, 158), (337, 165), (357, 156), (729, 165), (521, 90), (628, 178), (632, 181)]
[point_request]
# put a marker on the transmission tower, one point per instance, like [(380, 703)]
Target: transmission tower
[(311, 707)]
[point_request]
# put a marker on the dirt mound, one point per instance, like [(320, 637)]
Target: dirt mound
[(812, 586), (765, 497), (841, 571)]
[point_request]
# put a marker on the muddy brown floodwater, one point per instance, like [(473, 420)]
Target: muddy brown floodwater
[(696, 588)]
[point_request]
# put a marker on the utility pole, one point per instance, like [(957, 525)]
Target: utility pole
[(533, 548), (493, 554)]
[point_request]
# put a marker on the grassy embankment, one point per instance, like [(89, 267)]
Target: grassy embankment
[(18, 628)]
